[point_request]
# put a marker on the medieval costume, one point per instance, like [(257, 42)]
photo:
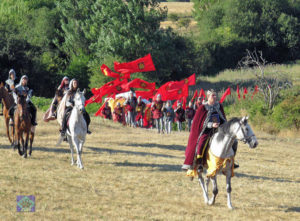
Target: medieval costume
[(140, 107), (23, 90), (130, 110), (69, 107), (168, 117), (118, 113), (189, 115), (179, 111), (106, 111), (202, 128), (156, 108), (198, 103), (10, 85)]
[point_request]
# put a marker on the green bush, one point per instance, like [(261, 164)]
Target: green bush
[(41, 103)]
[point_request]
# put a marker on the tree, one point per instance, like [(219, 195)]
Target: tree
[(270, 85)]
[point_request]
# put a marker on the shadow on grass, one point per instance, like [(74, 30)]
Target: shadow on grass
[(279, 180), (53, 150), (160, 167), (153, 145), (5, 147), (293, 209), (112, 151)]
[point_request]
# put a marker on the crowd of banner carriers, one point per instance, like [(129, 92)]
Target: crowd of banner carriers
[(137, 103)]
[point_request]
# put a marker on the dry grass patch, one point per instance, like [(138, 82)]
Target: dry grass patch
[(134, 174), (178, 7)]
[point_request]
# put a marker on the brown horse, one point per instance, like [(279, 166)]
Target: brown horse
[(8, 102), (22, 125)]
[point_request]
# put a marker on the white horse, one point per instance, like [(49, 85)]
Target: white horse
[(220, 156), (77, 128)]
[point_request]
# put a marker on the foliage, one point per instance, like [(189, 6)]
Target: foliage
[(41, 103)]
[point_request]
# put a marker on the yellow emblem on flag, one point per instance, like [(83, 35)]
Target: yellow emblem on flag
[(186, 80), (141, 65), (143, 85), (118, 88), (179, 91)]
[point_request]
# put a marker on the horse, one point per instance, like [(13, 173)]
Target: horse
[(22, 125), (8, 102), (220, 156), (77, 127), (50, 115)]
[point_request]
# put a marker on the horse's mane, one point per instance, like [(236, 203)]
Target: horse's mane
[(224, 128)]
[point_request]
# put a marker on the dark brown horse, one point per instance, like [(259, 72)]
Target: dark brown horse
[(23, 127), (8, 102)]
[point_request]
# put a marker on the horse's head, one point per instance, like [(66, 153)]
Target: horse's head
[(21, 106), (246, 134), (79, 100)]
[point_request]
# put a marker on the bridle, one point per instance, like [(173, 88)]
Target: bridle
[(245, 139)]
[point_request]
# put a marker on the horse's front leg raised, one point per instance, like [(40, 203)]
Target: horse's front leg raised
[(204, 189), (228, 188), (215, 190)]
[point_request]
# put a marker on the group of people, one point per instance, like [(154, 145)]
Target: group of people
[(21, 89), (159, 114)]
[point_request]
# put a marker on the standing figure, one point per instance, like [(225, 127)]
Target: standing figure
[(22, 89), (140, 107), (106, 111), (10, 87), (208, 117), (179, 111), (118, 113), (168, 117), (130, 109), (157, 113), (198, 103), (69, 106), (189, 115)]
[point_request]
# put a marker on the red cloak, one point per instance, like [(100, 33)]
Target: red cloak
[(197, 127)]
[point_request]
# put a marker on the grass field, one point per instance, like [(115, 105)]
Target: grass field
[(134, 174)]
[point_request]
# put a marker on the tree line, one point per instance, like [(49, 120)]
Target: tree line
[(48, 39)]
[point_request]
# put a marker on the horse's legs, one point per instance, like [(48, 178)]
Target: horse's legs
[(76, 144), (201, 182), (71, 148), (31, 141), (26, 144), (18, 137), (228, 188), (7, 130), (215, 190)]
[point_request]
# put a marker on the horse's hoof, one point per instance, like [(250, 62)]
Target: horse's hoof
[(25, 156), (230, 207), (29, 155)]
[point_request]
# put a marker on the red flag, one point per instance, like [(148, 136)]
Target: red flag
[(255, 91), (182, 101), (143, 64), (145, 94), (202, 93), (195, 95), (139, 83), (238, 91), (107, 72), (226, 93), (99, 112), (245, 92), (174, 94), (191, 80)]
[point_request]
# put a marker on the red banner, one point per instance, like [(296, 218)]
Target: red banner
[(245, 92), (139, 83), (195, 95), (226, 93), (143, 64), (145, 94), (109, 73), (238, 92), (255, 91)]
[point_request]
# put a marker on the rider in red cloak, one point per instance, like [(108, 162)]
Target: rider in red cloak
[(208, 116)]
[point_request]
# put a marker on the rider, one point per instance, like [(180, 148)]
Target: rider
[(10, 83), (61, 90), (69, 107), (208, 117), (22, 89)]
